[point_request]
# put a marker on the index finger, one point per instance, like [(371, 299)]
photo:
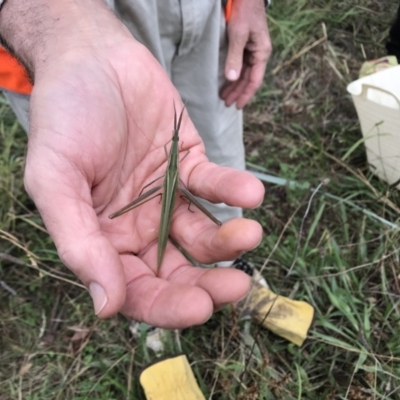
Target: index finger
[(225, 185)]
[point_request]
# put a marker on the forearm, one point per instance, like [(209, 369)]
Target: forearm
[(36, 30)]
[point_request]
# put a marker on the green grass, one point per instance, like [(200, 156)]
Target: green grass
[(302, 126)]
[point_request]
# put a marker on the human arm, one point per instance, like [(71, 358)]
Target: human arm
[(249, 47), (99, 121)]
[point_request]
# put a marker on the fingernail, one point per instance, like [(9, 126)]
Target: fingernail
[(99, 297), (232, 75)]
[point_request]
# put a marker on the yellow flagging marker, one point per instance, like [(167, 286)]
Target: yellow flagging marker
[(290, 319), (169, 379)]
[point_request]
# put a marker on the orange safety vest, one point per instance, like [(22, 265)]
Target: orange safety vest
[(13, 75)]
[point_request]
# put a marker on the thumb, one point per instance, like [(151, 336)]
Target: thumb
[(74, 227), (237, 39)]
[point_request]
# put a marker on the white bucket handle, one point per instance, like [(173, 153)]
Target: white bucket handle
[(367, 86)]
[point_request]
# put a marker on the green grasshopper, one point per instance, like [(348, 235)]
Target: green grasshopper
[(170, 187)]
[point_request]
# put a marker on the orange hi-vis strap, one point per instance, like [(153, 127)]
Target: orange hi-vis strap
[(13, 76), (228, 7), (228, 10)]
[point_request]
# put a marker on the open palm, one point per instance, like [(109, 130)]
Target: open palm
[(99, 123)]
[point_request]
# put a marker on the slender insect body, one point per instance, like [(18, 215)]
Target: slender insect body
[(168, 201), (170, 187)]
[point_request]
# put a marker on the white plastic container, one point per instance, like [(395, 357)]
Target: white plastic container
[(377, 101)]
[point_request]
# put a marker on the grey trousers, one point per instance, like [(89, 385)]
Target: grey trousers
[(188, 38)]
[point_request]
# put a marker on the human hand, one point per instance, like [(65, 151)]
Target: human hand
[(249, 47), (101, 112)]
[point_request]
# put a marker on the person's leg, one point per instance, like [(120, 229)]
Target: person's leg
[(160, 34), (198, 73)]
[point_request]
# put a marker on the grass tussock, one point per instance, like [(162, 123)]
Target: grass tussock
[(303, 127)]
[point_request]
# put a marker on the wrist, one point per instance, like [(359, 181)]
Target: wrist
[(40, 31)]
